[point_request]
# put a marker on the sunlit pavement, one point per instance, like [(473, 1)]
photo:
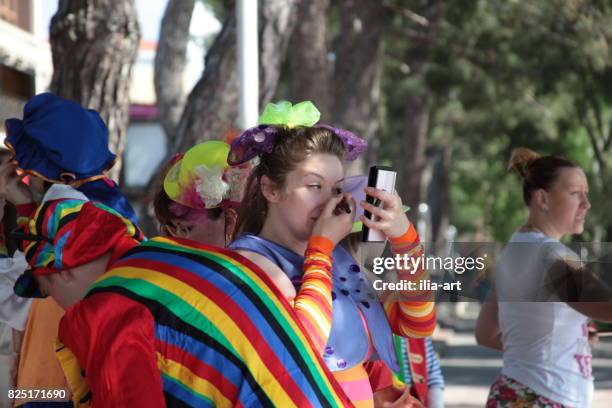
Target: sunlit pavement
[(470, 369)]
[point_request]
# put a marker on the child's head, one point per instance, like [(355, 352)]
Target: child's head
[(199, 195), (177, 220), (69, 243)]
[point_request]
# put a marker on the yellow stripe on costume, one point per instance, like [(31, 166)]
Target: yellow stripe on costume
[(73, 373), (314, 316), (417, 310), (196, 384), (320, 288), (64, 212), (70, 210), (410, 332)]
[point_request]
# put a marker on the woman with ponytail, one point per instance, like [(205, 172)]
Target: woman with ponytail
[(545, 343)]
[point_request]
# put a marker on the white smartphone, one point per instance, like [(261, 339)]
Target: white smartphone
[(382, 178)]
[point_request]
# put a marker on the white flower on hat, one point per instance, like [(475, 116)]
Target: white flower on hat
[(210, 185)]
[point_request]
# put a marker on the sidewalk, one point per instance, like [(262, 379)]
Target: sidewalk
[(470, 369)]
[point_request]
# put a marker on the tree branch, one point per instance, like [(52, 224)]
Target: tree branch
[(608, 139), (170, 59), (593, 138)]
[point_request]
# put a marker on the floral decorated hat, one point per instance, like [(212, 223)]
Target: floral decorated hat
[(202, 179)]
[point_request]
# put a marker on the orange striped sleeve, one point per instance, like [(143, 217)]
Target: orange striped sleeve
[(313, 302), (410, 313)]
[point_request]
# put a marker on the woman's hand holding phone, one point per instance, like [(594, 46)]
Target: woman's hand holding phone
[(335, 222), (391, 219)]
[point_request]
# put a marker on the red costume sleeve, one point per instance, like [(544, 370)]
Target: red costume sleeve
[(379, 375), (113, 339)]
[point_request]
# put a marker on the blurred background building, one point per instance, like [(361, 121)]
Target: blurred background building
[(25, 56)]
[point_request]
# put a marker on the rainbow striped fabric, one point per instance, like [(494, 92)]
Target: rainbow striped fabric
[(413, 314), (225, 336)]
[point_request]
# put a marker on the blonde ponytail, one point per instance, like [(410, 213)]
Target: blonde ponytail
[(537, 172), (520, 159)]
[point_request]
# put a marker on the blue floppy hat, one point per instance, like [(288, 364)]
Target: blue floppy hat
[(59, 141)]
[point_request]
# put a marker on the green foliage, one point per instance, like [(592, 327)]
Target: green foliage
[(501, 74)]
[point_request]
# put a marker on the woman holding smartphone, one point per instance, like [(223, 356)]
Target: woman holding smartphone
[(290, 223)]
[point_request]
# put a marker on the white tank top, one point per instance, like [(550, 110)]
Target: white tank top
[(545, 343)]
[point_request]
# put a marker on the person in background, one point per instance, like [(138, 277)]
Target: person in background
[(545, 344), (13, 309)]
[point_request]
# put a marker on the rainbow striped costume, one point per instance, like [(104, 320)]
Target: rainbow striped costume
[(176, 323)]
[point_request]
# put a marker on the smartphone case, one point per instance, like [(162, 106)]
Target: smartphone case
[(382, 178)]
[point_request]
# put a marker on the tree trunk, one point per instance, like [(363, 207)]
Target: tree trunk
[(212, 106), (357, 72), (309, 68), (170, 59), (410, 160), (94, 44), (438, 194), (276, 22)]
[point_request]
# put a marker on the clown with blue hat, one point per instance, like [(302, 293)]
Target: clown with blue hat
[(62, 143), (63, 150)]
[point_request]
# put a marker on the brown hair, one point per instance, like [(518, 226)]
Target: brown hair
[(537, 172), (292, 147)]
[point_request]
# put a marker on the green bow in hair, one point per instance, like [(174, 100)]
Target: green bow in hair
[(286, 114)]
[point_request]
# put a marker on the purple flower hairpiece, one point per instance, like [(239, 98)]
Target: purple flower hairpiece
[(252, 142), (261, 139), (353, 144)]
